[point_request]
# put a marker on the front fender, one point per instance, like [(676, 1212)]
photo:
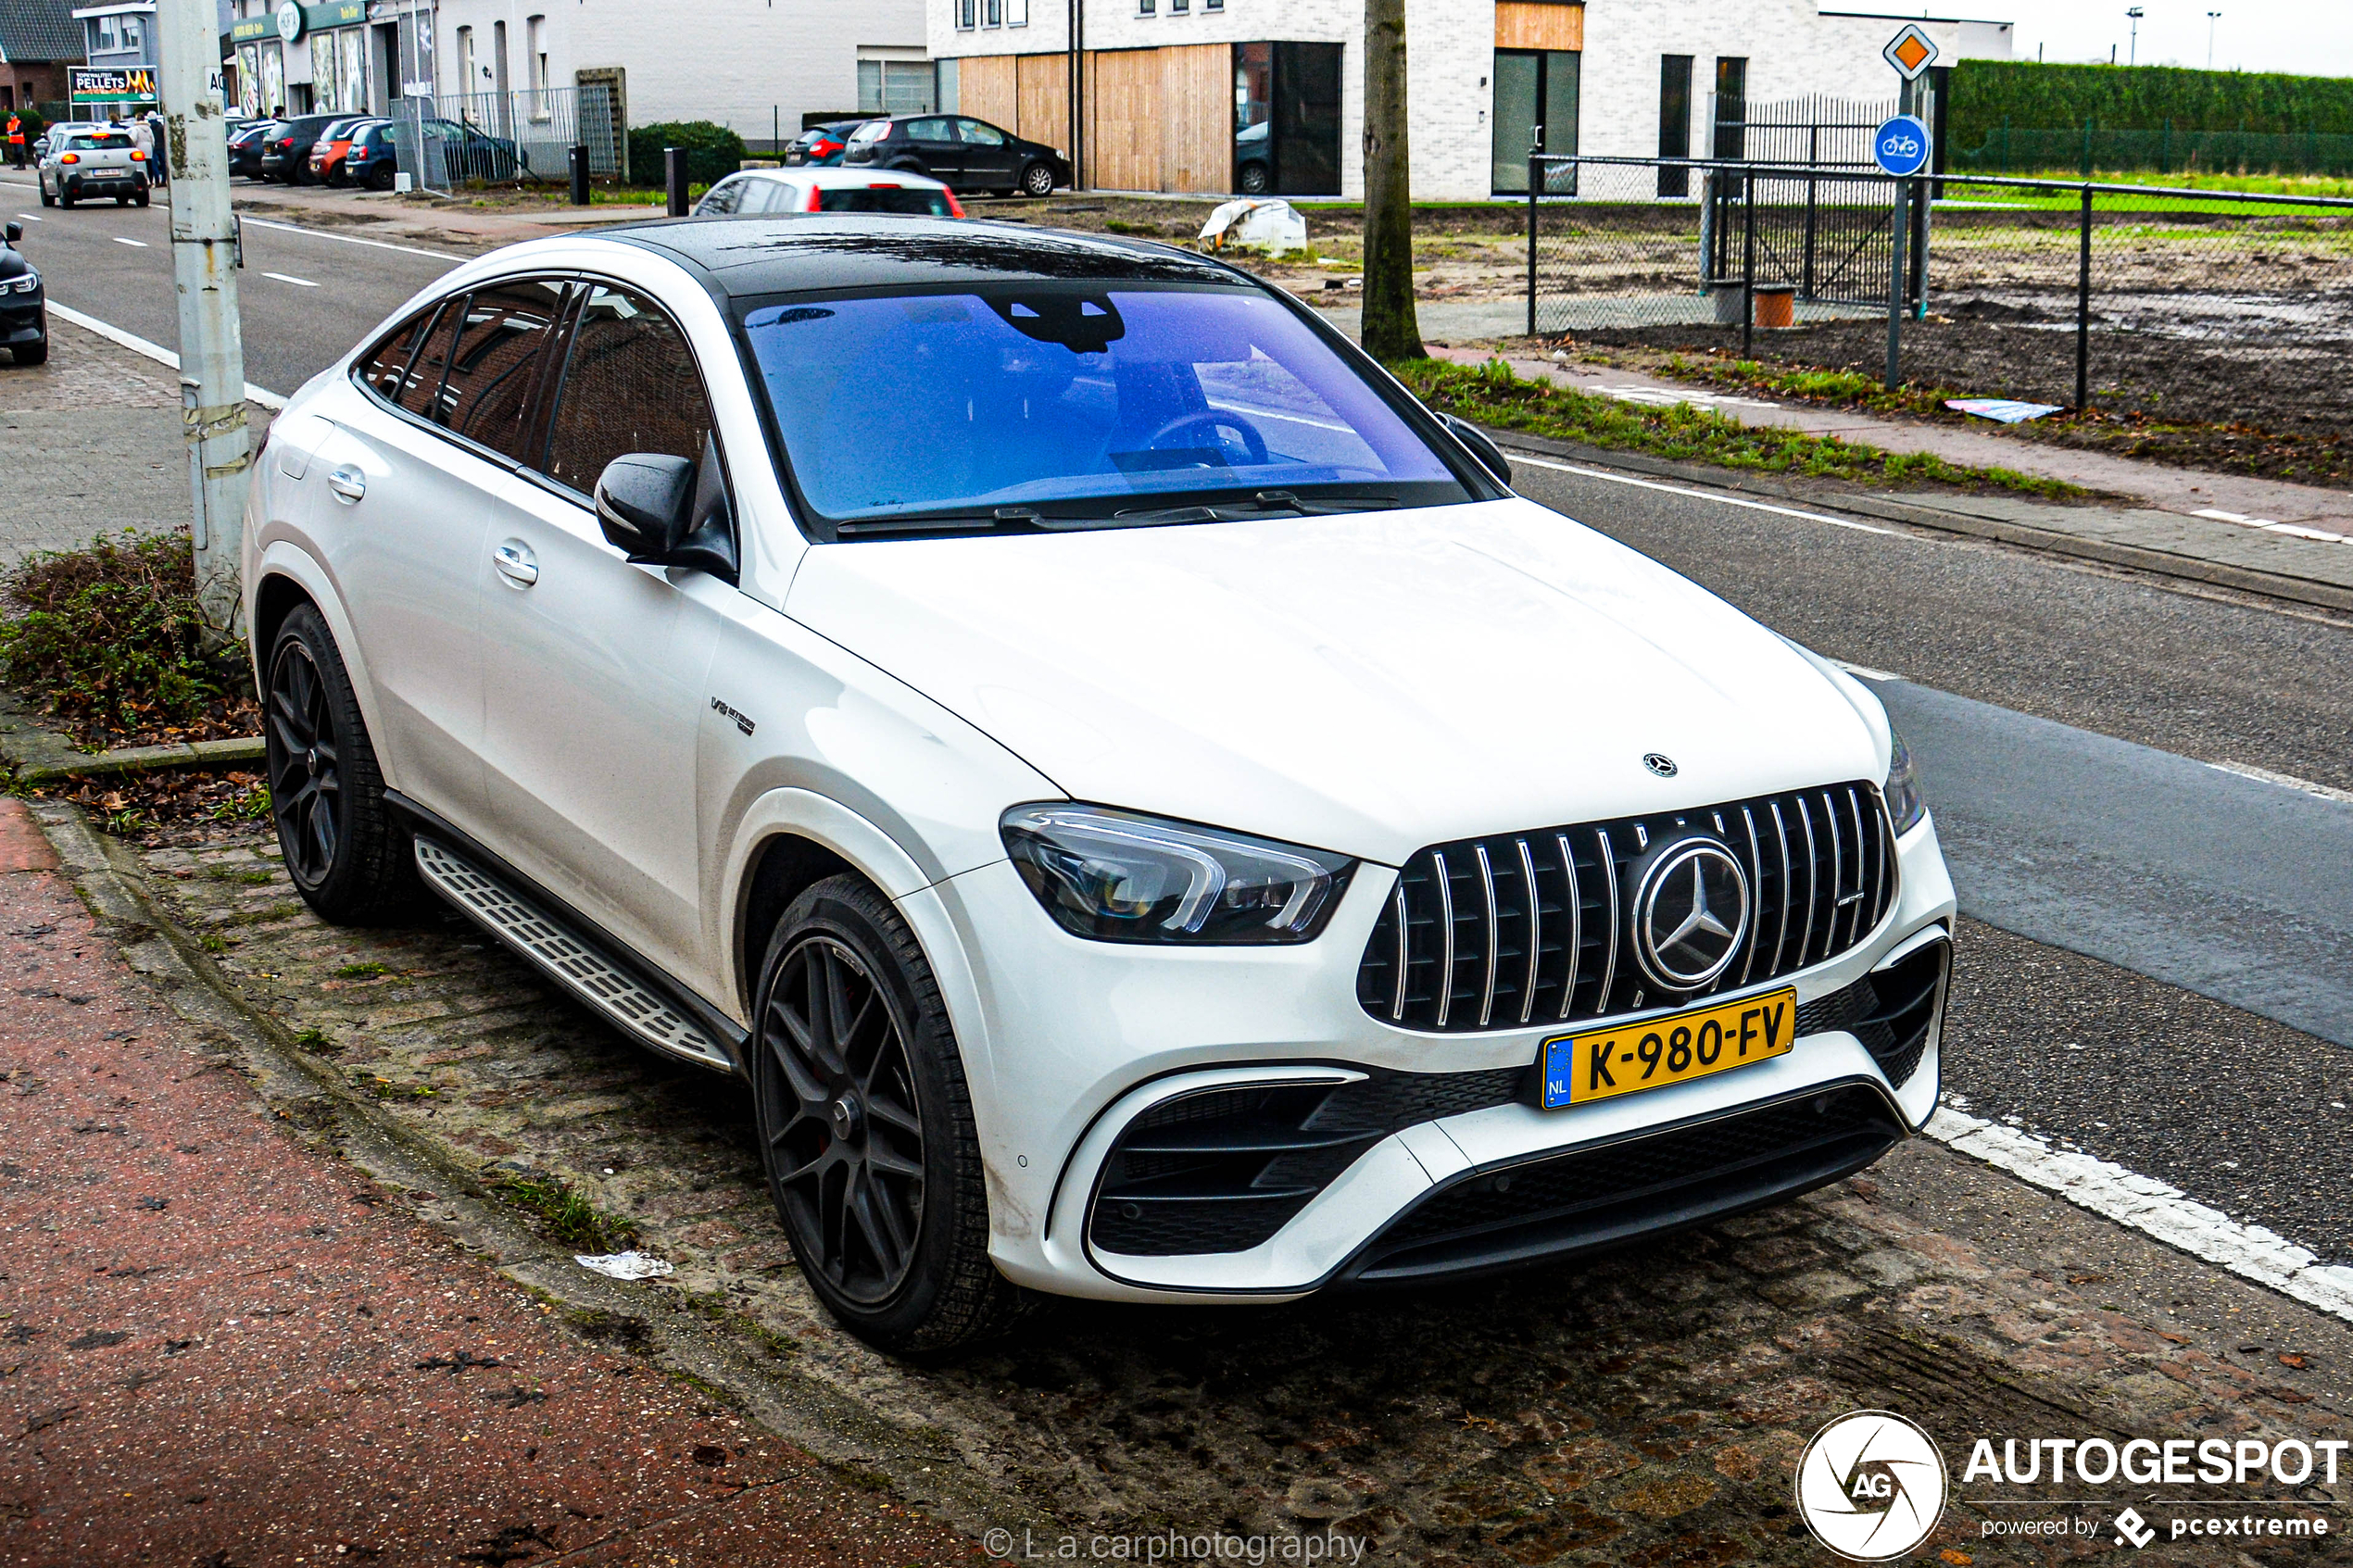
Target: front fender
[(283, 557)]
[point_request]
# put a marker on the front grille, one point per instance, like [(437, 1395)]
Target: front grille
[(1594, 1198), (1534, 927), (1222, 1170)]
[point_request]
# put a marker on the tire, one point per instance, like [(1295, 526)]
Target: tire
[(380, 179), (345, 855), (125, 201), (31, 353), (834, 1104), (140, 199), (65, 199), (1037, 179), (46, 199)]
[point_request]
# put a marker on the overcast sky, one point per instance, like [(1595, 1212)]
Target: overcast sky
[(2312, 37)]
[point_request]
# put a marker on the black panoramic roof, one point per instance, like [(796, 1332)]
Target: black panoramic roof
[(747, 257)]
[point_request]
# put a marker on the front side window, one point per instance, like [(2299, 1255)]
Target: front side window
[(629, 385), (385, 369), (1051, 404), (492, 364), (978, 135)]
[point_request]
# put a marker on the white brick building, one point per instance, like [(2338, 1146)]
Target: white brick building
[(1188, 94)]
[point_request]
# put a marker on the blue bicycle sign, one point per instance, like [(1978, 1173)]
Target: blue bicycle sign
[(1900, 144)]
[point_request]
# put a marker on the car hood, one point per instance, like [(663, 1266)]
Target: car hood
[(1367, 684)]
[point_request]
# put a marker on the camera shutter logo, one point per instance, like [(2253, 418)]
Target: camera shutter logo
[(1872, 1485)]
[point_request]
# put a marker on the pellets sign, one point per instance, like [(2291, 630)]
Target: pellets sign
[(1900, 144), (106, 84)]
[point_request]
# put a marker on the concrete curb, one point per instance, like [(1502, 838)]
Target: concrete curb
[(143, 758), (685, 1336), (1922, 514)]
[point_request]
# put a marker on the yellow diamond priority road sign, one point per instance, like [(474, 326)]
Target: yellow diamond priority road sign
[(1910, 51)]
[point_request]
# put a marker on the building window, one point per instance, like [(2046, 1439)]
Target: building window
[(992, 13), (1146, 7), (1731, 139), (1178, 8), (131, 32), (466, 59), (535, 41), (1535, 111), (106, 36), (1016, 14), (967, 13), (1213, 4), (897, 87), (1674, 122)]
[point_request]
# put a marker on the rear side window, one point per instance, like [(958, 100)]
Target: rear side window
[(884, 198), (385, 369), (726, 197), (629, 385), (492, 364)]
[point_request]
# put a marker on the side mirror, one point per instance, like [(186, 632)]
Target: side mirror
[(642, 503), (662, 510), (13, 232), (1490, 456)]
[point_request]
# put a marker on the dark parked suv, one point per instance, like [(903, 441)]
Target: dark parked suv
[(968, 154), (285, 152)]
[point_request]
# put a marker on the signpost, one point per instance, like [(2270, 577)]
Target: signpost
[(1901, 147)]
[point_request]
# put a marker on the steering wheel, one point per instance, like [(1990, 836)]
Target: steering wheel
[(1211, 419)]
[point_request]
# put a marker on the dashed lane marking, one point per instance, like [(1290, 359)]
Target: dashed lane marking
[(1519, 456), (120, 241), (284, 278), (30, 216), (2153, 1209), (155, 351), (1865, 671), (2293, 529), (2285, 781)]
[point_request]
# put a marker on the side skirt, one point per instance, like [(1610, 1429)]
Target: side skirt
[(627, 993)]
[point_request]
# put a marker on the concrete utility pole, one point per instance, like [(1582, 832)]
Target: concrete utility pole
[(1389, 330), (203, 274)]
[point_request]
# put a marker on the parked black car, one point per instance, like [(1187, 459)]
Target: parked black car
[(285, 150), (244, 146), (24, 307), (968, 154), (371, 161)]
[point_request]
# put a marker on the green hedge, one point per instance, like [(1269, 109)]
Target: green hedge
[(1983, 94), (714, 152)]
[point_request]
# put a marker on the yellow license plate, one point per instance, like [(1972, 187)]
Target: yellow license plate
[(1580, 1069)]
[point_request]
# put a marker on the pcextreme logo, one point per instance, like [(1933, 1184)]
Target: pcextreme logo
[(1871, 1486)]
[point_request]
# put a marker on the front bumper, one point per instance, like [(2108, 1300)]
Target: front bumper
[(23, 318), (1067, 1042)]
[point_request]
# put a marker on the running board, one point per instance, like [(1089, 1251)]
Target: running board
[(633, 1007)]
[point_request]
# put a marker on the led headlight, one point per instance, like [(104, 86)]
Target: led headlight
[(1906, 803), (25, 284), (1118, 876)]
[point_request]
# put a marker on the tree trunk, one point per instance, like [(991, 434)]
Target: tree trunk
[(1389, 329)]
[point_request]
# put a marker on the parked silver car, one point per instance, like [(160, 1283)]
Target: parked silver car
[(84, 162)]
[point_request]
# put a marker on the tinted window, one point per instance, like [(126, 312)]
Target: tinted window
[(384, 369), (980, 134), (1082, 399), (629, 385), (884, 198), (929, 131), (491, 372)]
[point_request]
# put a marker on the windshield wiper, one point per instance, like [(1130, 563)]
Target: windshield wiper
[(1267, 502), (930, 522)]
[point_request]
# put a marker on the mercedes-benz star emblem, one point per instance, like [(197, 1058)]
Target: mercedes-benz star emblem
[(1691, 911), (1660, 763)]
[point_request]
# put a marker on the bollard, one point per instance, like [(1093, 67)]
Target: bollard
[(579, 176), (673, 179)]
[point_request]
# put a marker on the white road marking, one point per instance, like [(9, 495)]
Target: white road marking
[(2153, 1209), (2285, 781), (30, 216), (1519, 456), (1866, 672), (155, 351), (351, 239), (2293, 529), (120, 241), (303, 283)]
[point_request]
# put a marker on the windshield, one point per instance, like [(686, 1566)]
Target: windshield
[(1056, 404), (873, 131)]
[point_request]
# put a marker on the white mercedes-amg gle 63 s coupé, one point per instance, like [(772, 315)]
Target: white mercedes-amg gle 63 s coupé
[(1148, 812)]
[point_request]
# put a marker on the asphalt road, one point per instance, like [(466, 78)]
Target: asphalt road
[(2182, 1001), (307, 296), (2164, 972)]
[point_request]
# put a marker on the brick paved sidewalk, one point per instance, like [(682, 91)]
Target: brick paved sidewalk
[(219, 1346)]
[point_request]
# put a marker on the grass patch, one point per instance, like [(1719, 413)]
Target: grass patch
[(363, 971), (1811, 384), (108, 641), (1491, 394), (565, 1215)]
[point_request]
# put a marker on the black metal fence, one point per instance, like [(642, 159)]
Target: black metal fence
[(2197, 306)]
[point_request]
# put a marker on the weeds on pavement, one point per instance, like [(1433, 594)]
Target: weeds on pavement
[(565, 1215)]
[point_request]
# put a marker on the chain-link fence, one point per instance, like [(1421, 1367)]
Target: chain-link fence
[(2213, 308), (458, 139)]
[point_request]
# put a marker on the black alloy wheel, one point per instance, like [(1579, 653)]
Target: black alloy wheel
[(344, 852), (851, 1154), (866, 1126), (305, 781)]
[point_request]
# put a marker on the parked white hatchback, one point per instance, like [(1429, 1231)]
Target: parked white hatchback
[(753, 192), (1148, 812)]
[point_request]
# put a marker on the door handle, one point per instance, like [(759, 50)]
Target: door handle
[(516, 563), (347, 483)]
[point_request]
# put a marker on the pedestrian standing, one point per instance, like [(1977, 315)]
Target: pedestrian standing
[(16, 140), (158, 160)]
